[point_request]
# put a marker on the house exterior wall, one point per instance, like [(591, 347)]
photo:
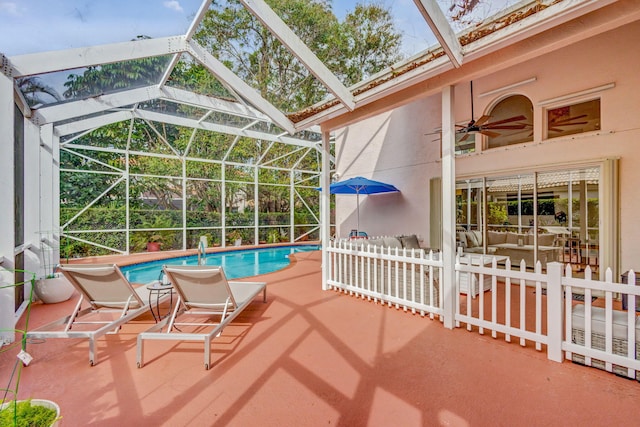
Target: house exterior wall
[(392, 146)]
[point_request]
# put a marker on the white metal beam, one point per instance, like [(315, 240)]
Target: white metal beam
[(213, 127), (197, 19), (438, 23), (92, 123), (47, 62), (212, 103), (239, 86), (118, 116), (281, 30), (69, 110)]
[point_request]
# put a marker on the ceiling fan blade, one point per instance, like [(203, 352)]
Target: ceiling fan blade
[(482, 120), (569, 124), (489, 133), (518, 126), (556, 129), (509, 120), (464, 138), (555, 122)]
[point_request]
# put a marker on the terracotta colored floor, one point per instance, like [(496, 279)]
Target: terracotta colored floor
[(310, 357)]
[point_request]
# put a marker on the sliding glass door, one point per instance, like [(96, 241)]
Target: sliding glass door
[(533, 217)]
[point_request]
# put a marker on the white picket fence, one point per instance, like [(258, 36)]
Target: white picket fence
[(578, 331), (406, 278)]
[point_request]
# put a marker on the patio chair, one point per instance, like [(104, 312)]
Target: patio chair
[(203, 294), (108, 292)]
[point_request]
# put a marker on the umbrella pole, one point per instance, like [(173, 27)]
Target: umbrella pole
[(358, 213)]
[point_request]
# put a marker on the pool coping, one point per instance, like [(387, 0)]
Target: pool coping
[(144, 257)]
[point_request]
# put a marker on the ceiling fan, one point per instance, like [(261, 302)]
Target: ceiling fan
[(485, 127)]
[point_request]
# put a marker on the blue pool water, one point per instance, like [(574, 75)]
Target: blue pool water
[(236, 264)]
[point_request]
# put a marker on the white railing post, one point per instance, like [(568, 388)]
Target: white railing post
[(555, 314)]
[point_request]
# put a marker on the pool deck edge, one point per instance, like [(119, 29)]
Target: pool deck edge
[(123, 260)]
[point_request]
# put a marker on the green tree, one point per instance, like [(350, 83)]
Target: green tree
[(36, 91), (371, 42), (365, 43), (107, 78)]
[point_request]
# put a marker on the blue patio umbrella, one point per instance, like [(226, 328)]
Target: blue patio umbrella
[(360, 185)]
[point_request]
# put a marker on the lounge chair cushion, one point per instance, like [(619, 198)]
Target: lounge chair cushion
[(392, 242), (410, 242)]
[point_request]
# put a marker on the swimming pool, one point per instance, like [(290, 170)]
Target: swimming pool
[(236, 264)]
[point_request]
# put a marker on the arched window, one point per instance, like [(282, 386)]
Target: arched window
[(511, 122)]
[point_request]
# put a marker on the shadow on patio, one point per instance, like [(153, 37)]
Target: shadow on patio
[(309, 357)]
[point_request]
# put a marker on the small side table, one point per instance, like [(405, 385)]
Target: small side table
[(159, 290)]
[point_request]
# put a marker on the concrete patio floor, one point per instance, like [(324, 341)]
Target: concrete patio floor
[(309, 357)]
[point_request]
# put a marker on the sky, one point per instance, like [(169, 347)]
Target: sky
[(30, 26)]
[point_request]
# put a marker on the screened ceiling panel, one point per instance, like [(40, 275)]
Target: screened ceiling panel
[(159, 138), (248, 150), (82, 83), (77, 158), (174, 108), (47, 26), (234, 36), (268, 127), (225, 119), (462, 20), (89, 116), (284, 156), (189, 74), (210, 145), (114, 136), (270, 46)]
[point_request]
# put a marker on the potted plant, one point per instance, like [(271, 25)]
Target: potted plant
[(154, 243), (31, 412), (154, 238), (235, 237), (273, 236), (52, 287)]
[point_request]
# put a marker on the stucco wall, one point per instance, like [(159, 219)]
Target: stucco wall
[(393, 147)]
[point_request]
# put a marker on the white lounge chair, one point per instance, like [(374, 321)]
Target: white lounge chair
[(202, 291), (112, 301)]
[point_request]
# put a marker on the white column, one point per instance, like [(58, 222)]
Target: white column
[(184, 203), (7, 219), (448, 206), (292, 210), (32, 201), (223, 210), (256, 204), (49, 196), (325, 204)]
